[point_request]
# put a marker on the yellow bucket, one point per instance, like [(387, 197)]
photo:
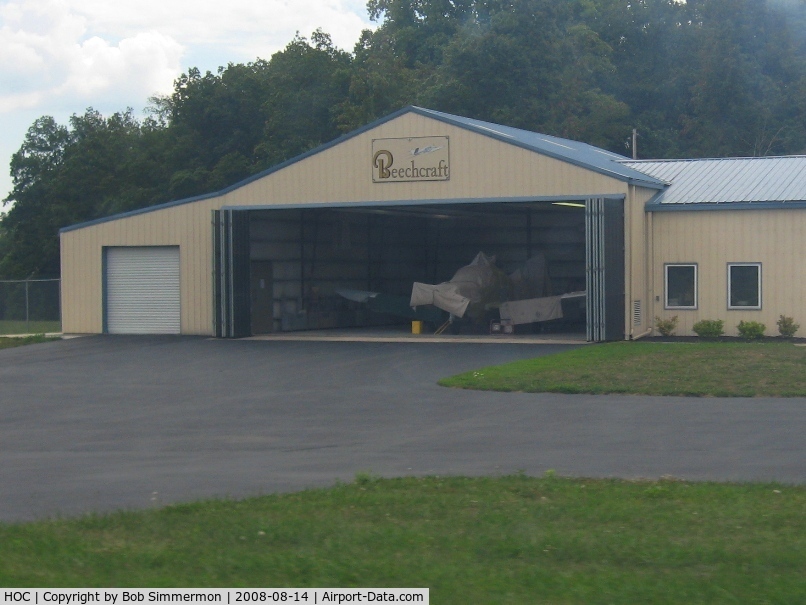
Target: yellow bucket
[(416, 327)]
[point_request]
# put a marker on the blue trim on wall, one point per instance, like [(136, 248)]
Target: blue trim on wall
[(705, 207), (429, 202), (146, 210)]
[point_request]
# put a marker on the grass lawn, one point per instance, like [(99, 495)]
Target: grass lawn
[(513, 539), (31, 327), (7, 343), (715, 369)]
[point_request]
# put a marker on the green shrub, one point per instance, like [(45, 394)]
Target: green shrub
[(666, 327), (709, 328), (751, 330), (787, 326)]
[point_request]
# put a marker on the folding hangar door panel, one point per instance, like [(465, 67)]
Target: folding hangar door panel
[(604, 268), (231, 273), (142, 290)]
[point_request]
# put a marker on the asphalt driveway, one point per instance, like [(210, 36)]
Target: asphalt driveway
[(102, 423)]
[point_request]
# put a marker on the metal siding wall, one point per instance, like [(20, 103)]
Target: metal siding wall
[(775, 238), (186, 226), (637, 250), (82, 302), (343, 173)]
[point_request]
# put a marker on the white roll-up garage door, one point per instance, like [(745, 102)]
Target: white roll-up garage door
[(142, 290)]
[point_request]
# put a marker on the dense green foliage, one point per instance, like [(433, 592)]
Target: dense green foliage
[(751, 330), (787, 326), (700, 78), (9, 343), (709, 328)]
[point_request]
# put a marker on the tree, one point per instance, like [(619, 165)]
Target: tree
[(307, 82), (209, 118), (26, 225), (696, 78), (67, 175)]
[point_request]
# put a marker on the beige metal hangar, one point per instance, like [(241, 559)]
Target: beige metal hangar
[(727, 241), (408, 198)]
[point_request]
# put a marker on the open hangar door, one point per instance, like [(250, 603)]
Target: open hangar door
[(288, 269)]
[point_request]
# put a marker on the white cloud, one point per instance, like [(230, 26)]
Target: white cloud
[(248, 27), (58, 57), (12, 102), (76, 53), (135, 67), (47, 59)]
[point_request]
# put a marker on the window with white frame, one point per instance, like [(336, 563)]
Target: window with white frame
[(744, 285), (681, 286)]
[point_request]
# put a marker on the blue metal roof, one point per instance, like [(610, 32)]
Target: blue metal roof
[(573, 152), (727, 181)]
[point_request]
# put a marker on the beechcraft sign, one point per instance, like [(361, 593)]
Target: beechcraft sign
[(415, 159)]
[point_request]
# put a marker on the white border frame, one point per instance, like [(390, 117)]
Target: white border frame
[(666, 304), (760, 300)]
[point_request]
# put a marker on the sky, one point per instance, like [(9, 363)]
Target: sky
[(59, 57)]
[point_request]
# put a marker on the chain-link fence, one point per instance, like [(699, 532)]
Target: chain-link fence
[(30, 306)]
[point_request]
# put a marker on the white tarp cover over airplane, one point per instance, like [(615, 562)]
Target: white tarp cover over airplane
[(469, 284), (519, 297), (530, 310), (444, 296)]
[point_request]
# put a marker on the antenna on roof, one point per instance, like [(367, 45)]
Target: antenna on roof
[(635, 143)]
